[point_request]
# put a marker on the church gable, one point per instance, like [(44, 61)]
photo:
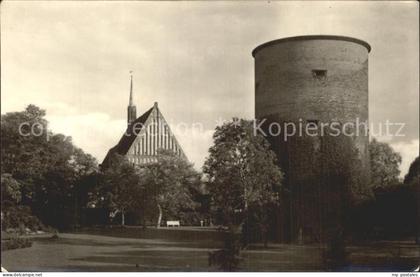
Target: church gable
[(150, 136), (144, 136)]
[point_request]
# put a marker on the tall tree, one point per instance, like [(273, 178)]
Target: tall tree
[(85, 168), (384, 164), (169, 183), (242, 176), (46, 165), (413, 174), (412, 179), (119, 186), (241, 170), (24, 140)]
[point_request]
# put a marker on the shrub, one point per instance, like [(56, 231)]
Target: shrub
[(227, 258), (15, 242), (335, 255), (20, 217)]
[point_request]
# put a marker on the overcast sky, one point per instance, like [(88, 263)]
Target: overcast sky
[(194, 58)]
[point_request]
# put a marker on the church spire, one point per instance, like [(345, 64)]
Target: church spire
[(131, 109), (131, 89)]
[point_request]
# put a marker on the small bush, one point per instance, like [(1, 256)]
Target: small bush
[(15, 243), (20, 217), (335, 256), (227, 258)]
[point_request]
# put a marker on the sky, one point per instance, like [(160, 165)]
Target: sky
[(194, 58)]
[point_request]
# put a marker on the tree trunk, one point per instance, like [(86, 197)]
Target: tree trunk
[(144, 221), (264, 225), (264, 233), (122, 218), (418, 214), (160, 216)]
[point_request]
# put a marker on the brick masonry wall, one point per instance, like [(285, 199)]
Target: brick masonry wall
[(286, 90)]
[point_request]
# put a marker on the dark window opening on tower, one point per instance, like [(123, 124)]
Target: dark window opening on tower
[(319, 73)]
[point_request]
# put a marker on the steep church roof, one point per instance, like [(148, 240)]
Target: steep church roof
[(135, 135), (130, 135), (144, 136)]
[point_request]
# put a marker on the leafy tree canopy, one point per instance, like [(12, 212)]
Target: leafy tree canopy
[(10, 189), (170, 184), (413, 174), (47, 166), (120, 186), (241, 170), (384, 164)]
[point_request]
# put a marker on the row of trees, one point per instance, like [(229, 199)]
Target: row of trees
[(46, 180), (392, 210), (241, 176), (45, 176), (169, 187)]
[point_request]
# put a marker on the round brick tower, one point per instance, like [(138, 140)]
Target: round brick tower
[(311, 80)]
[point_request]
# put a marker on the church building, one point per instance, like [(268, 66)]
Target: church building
[(144, 136)]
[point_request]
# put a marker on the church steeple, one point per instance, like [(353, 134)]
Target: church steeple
[(131, 109)]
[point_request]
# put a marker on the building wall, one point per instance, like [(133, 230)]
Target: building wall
[(316, 79), (155, 135)]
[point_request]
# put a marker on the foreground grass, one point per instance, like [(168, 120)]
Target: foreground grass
[(186, 249)]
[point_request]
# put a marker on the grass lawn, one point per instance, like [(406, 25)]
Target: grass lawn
[(186, 249)]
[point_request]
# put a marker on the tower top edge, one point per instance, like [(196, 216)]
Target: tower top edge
[(311, 37)]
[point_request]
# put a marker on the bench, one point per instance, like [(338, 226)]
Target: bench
[(173, 223)]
